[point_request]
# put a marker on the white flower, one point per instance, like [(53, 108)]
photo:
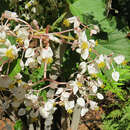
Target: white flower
[(2, 36), (99, 82), (92, 69), (100, 96), (92, 43), (81, 102), (22, 33), (46, 53), (22, 64), (100, 60), (83, 45), (43, 112), (10, 52), (9, 14), (115, 76), (69, 105), (33, 9), (29, 61), (26, 43), (84, 110), (82, 67), (64, 96), (76, 23), (108, 61), (32, 97), (49, 105), (59, 91), (119, 59), (84, 53), (74, 86), (94, 88), (95, 30), (17, 27), (29, 53), (93, 105)]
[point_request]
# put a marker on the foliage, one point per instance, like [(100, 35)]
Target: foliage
[(118, 119), (46, 56)]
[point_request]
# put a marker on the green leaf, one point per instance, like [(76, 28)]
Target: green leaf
[(16, 68), (93, 12), (12, 39), (58, 21), (116, 43), (18, 125), (44, 95)]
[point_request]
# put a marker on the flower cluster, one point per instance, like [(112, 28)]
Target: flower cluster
[(34, 49)]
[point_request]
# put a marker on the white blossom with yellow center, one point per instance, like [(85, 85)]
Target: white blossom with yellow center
[(119, 59), (81, 102), (45, 55), (83, 45), (69, 105), (2, 37), (11, 52), (64, 96), (75, 86), (92, 70), (100, 61), (22, 33)]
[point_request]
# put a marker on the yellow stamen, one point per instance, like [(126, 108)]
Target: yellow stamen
[(11, 86), (96, 42), (20, 41), (34, 119), (90, 49), (101, 64), (66, 23), (124, 62), (79, 84), (84, 45), (2, 40), (93, 75), (102, 86), (9, 54), (70, 111)]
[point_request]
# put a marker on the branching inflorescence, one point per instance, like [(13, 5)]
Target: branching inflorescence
[(32, 47)]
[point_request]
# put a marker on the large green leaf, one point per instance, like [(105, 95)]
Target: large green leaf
[(116, 43), (94, 11)]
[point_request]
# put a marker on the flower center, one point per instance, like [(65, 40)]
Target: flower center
[(48, 60), (9, 54), (84, 45), (101, 64), (2, 40), (79, 84), (66, 23), (70, 111)]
